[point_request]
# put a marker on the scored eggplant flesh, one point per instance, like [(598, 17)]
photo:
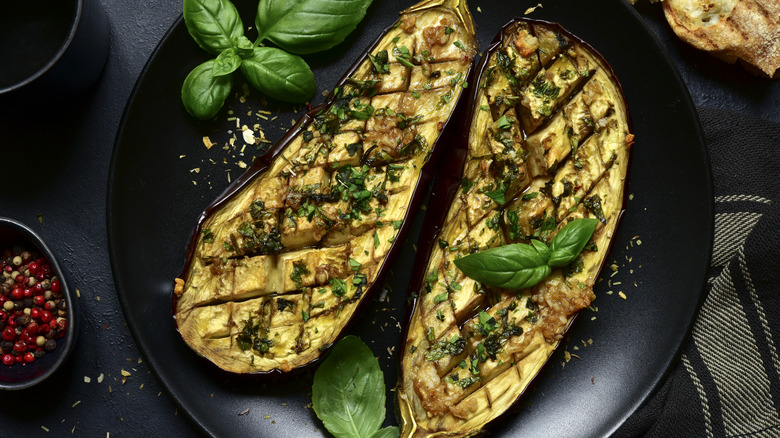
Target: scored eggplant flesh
[(548, 143), (279, 267)]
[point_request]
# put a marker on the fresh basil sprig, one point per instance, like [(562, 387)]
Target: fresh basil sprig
[(302, 26), (348, 393), (308, 26), (522, 265)]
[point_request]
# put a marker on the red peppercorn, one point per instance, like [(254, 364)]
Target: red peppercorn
[(25, 337), (30, 318), (9, 334), (20, 346)]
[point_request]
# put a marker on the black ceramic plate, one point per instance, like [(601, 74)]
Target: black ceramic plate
[(623, 347)]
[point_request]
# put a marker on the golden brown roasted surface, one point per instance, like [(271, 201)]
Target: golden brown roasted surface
[(280, 268), (747, 30), (548, 143)]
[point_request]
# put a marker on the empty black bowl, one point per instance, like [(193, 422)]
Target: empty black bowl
[(51, 49), (20, 376)]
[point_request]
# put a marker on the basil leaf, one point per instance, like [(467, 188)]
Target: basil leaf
[(244, 47), (227, 62), (213, 24), (542, 249), (568, 243), (515, 266), (308, 26), (348, 393), (279, 74), (387, 432), (202, 93)]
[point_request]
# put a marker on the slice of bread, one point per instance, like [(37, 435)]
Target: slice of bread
[(732, 30)]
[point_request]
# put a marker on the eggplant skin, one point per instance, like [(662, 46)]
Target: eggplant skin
[(280, 264), (548, 142)]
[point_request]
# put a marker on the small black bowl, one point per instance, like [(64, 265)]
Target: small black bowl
[(20, 376), (51, 50)]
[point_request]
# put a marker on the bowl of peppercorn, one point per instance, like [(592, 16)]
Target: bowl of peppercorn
[(37, 311)]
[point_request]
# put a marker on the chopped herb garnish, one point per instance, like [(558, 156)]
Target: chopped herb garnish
[(444, 347), (498, 195), (593, 203), (486, 323), (466, 184), (355, 265), (529, 196), (380, 62), (338, 287), (298, 271), (282, 304), (503, 122), (353, 148)]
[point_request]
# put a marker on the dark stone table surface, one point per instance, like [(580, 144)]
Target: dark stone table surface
[(71, 152)]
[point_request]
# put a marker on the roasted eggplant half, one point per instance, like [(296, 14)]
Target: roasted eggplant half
[(548, 142), (281, 263)]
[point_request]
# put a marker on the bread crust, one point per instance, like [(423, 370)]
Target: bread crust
[(732, 30)]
